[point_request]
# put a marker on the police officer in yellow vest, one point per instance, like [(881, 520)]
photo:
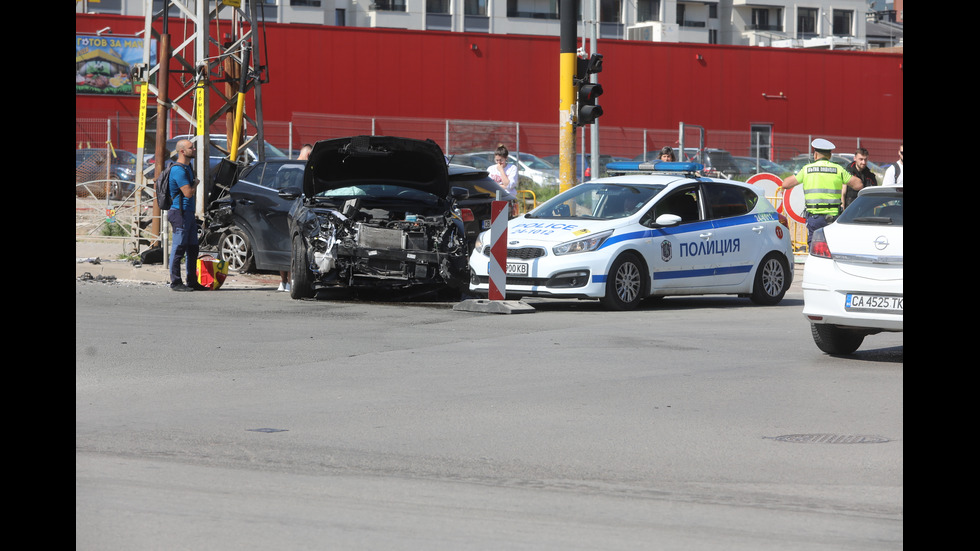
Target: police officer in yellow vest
[(823, 187)]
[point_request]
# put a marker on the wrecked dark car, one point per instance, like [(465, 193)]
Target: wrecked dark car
[(247, 225), (377, 212)]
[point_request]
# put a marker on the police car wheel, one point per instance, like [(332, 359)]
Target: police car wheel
[(771, 279), (625, 283)]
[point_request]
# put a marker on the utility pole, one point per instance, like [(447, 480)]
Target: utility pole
[(199, 70), (566, 112)]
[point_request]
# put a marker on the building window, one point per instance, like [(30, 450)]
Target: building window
[(436, 6), (647, 10), (474, 7), (610, 11), (806, 22), (533, 9), (843, 22), (313, 3), (389, 5)]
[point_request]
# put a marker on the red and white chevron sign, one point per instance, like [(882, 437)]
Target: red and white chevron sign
[(498, 250)]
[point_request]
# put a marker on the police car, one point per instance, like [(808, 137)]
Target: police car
[(655, 229)]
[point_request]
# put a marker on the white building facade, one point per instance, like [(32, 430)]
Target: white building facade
[(829, 24)]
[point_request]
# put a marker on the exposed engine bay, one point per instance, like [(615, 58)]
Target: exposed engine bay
[(377, 211), (388, 247)]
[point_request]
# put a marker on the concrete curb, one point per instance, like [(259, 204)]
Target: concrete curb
[(99, 261)]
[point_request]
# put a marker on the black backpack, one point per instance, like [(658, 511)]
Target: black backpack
[(162, 188)]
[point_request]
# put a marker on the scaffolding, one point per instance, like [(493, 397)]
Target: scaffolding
[(217, 67)]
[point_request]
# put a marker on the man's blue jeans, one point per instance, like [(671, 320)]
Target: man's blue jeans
[(185, 245)]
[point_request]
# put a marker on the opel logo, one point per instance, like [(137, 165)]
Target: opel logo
[(881, 243)]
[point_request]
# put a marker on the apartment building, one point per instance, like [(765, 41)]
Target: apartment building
[(828, 24)]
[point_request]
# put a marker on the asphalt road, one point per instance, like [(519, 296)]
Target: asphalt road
[(241, 419)]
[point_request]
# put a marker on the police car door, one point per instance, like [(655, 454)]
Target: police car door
[(736, 243), (674, 255)]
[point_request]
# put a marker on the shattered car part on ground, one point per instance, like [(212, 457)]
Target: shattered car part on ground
[(377, 212)]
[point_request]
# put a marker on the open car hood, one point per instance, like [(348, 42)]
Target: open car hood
[(343, 162)]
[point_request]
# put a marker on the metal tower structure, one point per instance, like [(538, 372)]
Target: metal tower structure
[(216, 67)]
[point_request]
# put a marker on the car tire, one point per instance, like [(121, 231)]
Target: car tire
[(235, 249), (625, 284), (835, 340), (300, 276), (116, 191), (771, 280)]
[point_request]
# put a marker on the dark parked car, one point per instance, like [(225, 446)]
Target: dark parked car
[(248, 225), (377, 212), (90, 166), (475, 210), (218, 150)]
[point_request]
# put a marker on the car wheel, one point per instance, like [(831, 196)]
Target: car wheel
[(300, 276), (624, 285), (771, 280), (835, 340), (236, 250), (116, 191)]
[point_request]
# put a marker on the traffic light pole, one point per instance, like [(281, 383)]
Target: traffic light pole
[(594, 134), (566, 106)]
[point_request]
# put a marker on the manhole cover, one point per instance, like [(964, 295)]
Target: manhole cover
[(266, 430), (831, 438)]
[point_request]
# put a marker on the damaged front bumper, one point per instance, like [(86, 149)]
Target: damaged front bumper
[(384, 252)]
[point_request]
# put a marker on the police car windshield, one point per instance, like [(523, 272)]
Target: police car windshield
[(602, 201)]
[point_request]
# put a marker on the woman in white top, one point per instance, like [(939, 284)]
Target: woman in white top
[(502, 172)]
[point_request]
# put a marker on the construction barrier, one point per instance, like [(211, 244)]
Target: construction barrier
[(498, 250)]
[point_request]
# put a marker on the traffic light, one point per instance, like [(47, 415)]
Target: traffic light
[(588, 111)]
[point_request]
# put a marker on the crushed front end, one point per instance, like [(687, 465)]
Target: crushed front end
[(353, 246)]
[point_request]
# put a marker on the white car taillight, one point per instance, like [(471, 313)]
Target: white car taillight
[(819, 246)]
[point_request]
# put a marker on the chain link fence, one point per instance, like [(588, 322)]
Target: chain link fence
[(106, 206), (463, 136)]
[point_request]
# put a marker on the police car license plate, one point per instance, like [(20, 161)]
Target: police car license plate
[(516, 268), (874, 302)]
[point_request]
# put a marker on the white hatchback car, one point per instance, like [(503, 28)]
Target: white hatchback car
[(853, 284), (627, 237)]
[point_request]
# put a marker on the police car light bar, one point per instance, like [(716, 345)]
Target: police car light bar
[(648, 167)]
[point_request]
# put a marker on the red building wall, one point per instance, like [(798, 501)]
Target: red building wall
[(385, 72)]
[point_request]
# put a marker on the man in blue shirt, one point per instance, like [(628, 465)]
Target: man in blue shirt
[(183, 188)]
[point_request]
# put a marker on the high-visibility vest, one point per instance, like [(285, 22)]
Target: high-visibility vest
[(822, 184)]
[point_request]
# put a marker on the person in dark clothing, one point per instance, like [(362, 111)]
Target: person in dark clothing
[(859, 168)]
